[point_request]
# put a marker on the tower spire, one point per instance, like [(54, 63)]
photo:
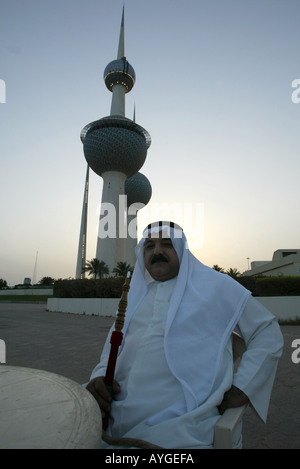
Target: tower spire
[(119, 77), (121, 49), (134, 113)]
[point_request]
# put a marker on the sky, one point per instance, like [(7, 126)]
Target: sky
[(216, 88)]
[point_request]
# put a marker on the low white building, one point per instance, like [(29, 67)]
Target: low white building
[(284, 262)]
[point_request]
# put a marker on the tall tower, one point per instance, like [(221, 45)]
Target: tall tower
[(115, 148)]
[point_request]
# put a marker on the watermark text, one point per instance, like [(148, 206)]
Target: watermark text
[(2, 351), (2, 91), (296, 352), (121, 221), (296, 93)]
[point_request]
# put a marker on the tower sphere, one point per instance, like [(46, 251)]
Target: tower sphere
[(138, 189), (119, 72), (115, 143)]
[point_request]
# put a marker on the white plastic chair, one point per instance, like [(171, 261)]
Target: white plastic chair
[(228, 422)]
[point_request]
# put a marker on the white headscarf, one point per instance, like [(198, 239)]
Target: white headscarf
[(205, 307)]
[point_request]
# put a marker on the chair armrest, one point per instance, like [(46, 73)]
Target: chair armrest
[(225, 426)]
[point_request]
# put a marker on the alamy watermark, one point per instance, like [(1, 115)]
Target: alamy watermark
[(2, 351), (2, 91), (296, 93), (296, 353), (121, 222)]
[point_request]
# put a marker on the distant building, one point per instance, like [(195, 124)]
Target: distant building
[(284, 262)]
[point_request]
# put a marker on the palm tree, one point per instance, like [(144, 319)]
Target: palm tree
[(234, 273), (96, 268), (218, 268), (121, 269)]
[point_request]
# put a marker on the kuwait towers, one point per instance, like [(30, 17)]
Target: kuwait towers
[(115, 148)]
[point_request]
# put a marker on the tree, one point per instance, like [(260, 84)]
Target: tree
[(218, 268), (46, 281), (3, 283), (234, 273), (121, 269), (96, 268)]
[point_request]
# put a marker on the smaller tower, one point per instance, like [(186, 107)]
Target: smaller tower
[(81, 256)]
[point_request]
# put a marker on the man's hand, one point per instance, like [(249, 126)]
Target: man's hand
[(233, 398), (98, 389)]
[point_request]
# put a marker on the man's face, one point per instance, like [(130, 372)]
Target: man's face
[(160, 258)]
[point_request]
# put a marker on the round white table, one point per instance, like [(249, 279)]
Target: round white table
[(41, 410)]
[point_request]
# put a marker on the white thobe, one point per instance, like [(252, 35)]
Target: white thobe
[(148, 386)]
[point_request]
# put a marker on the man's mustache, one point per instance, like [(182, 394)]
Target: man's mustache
[(158, 258)]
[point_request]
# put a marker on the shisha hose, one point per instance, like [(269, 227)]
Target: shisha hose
[(115, 341)]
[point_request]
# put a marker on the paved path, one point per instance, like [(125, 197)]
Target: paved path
[(70, 345)]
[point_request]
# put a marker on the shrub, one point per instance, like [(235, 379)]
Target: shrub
[(89, 288), (271, 286), (278, 286)]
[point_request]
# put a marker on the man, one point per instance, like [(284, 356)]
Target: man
[(174, 374)]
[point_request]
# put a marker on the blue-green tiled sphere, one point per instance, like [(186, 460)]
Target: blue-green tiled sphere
[(115, 143), (138, 189)]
